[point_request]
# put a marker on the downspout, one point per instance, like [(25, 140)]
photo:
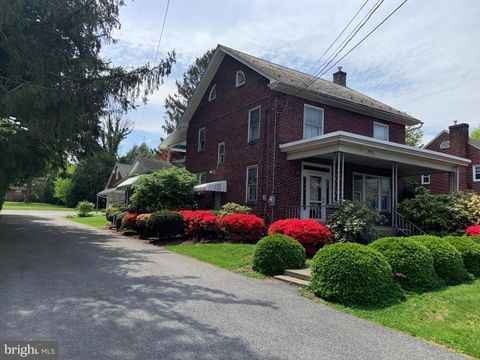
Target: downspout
[(274, 156)]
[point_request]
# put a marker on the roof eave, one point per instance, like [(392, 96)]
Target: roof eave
[(344, 104)]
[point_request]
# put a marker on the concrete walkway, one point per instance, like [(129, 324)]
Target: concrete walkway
[(108, 297)]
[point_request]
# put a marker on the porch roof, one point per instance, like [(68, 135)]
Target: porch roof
[(368, 151)]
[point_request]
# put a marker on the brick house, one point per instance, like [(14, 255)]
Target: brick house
[(455, 141), (16, 193), (261, 134)]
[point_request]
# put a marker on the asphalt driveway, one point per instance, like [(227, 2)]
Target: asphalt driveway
[(108, 297)]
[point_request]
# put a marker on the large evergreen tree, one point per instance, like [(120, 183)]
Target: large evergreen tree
[(176, 104), (55, 83)]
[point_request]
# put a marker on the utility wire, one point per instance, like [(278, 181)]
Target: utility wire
[(365, 37), (343, 44), (339, 35), (155, 59)]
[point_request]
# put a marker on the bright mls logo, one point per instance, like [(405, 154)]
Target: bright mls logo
[(38, 350)]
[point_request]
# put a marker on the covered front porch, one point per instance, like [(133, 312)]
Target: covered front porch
[(342, 165)]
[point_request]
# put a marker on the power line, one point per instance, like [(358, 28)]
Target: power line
[(155, 59), (339, 35), (366, 36), (344, 43)]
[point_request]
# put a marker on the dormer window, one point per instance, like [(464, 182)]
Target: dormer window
[(445, 145), (240, 78), (213, 93)]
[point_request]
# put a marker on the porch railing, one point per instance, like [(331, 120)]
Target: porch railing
[(315, 212), (405, 226)]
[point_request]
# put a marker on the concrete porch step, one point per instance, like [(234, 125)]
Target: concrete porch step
[(292, 280), (302, 274)]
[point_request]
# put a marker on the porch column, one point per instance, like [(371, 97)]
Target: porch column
[(338, 177), (454, 179), (394, 186)]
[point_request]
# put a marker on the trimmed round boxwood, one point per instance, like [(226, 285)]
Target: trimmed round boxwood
[(166, 224), (469, 250), (275, 253), (476, 239), (354, 274), (411, 262), (446, 259)]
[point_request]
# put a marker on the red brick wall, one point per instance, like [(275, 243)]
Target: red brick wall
[(12, 196), (226, 120)]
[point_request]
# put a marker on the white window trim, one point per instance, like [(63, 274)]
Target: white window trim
[(247, 200), (364, 192), (249, 139), (218, 153), (384, 126), (445, 145), (212, 95), (205, 135), (422, 180), (199, 175), (237, 83), (323, 118), (473, 169)]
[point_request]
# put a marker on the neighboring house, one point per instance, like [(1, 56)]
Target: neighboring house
[(289, 145), (176, 155), (455, 141), (16, 193), (139, 167), (110, 193)]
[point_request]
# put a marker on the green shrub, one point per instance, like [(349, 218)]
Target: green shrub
[(411, 262), (234, 208), (85, 208), (118, 217), (476, 239), (109, 213), (354, 222), (469, 250), (166, 224), (439, 214), (353, 274), (165, 189), (446, 259), (275, 253)]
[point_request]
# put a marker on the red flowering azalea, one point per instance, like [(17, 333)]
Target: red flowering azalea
[(473, 230), (243, 227), (310, 233), (201, 224), (129, 221)]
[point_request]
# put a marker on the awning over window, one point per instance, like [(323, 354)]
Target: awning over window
[(216, 186), (128, 183)]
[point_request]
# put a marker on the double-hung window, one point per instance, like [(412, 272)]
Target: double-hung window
[(221, 153), (476, 172), (202, 178), (374, 191), (425, 179), (252, 183), (202, 139), (380, 131), (254, 124), (312, 121)]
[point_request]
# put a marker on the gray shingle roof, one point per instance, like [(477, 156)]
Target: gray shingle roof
[(123, 169), (327, 88), (143, 166)]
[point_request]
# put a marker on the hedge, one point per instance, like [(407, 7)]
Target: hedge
[(276, 253), (411, 262), (354, 274), (469, 250), (166, 224), (243, 227)]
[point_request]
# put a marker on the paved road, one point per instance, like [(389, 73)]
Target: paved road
[(107, 297)]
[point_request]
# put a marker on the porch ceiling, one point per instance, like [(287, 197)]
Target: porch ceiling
[(363, 150)]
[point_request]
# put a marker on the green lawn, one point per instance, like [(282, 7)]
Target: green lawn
[(12, 205), (450, 317), (98, 221), (235, 257)]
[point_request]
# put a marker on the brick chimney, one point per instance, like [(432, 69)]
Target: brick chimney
[(458, 139), (340, 77)]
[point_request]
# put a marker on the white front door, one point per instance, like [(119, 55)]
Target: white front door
[(315, 194)]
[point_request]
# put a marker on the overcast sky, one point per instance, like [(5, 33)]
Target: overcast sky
[(424, 60)]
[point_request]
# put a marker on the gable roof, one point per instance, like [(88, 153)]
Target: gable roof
[(473, 142), (123, 169), (292, 82), (143, 166)]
